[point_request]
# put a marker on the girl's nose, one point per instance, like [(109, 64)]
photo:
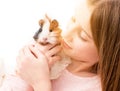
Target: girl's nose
[(68, 36), (70, 31)]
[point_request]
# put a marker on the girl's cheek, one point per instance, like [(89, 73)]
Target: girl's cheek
[(69, 25)]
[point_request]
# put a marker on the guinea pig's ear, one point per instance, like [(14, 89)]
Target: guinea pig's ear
[(47, 18), (54, 24), (41, 22)]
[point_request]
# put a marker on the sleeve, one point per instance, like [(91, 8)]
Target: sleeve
[(15, 83)]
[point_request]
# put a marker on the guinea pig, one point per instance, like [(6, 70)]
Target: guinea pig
[(49, 32)]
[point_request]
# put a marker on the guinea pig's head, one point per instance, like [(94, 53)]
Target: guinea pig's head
[(49, 31)]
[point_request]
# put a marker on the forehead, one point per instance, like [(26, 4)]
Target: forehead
[(82, 15)]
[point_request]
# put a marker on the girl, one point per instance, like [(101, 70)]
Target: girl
[(92, 42)]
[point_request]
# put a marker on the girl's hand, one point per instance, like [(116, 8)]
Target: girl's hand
[(33, 64), (50, 51)]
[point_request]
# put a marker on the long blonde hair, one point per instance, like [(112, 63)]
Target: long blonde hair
[(105, 27)]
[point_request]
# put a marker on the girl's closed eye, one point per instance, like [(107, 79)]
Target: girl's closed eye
[(83, 35)]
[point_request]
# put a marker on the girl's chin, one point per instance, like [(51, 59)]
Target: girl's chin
[(66, 52)]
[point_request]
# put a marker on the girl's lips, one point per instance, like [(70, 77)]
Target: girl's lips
[(65, 44)]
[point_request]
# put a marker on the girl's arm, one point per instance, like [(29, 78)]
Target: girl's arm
[(33, 65)]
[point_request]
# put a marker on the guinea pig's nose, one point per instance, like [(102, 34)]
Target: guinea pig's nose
[(44, 39)]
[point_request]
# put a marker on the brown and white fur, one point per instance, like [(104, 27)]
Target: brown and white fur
[(49, 32)]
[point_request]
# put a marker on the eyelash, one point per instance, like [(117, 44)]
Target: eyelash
[(84, 39), (79, 34)]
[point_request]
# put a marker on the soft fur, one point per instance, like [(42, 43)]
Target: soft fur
[(50, 32)]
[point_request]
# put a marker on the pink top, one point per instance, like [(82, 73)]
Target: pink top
[(66, 82), (14, 83), (69, 82)]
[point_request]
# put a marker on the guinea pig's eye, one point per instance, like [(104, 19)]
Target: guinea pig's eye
[(51, 30)]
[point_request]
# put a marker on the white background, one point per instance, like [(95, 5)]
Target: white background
[(19, 21)]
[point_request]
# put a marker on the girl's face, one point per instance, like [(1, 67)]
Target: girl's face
[(77, 41)]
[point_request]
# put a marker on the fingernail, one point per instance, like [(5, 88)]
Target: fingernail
[(33, 45)]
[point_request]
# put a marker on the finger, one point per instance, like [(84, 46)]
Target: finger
[(21, 51), (24, 55), (28, 52), (20, 59), (44, 48), (36, 52), (31, 52), (20, 56), (53, 60), (53, 51)]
